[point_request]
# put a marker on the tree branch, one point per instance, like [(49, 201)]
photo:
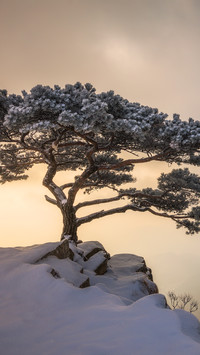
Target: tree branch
[(123, 209), (160, 157), (148, 209), (103, 213), (69, 162), (51, 200), (97, 202), (69, 144), (116, 198), (65, 186), (79, 183), (86, 138), (48, 178)]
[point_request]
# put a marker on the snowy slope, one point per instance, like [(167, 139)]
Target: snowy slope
[(42, 315)]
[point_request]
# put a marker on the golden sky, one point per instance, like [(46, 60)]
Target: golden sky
[(145, 50)]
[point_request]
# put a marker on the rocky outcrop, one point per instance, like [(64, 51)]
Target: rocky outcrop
[(89, 264), (62, 251), (122, 263), (125, 278), (97, 263), (91, 248), (92, 256)]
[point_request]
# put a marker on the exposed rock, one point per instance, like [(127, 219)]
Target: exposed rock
[(85, 283), (125, 275), (55, 274), (121, 264), (149, 273), (102, 268), (129, 288), (67, 269), (150, 286), (91, 248), (61, 252), (96, 263)]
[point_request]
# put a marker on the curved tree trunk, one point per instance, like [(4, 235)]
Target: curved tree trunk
[(69, 223)]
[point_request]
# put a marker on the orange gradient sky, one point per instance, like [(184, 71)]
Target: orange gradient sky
[(145, 50)]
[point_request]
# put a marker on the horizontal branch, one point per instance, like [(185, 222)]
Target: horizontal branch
[(65, 186), (133, 161), (103, 213), (68, 161), (97, 202), (172, 216), (123, 209), (69, 144), (116, 198)]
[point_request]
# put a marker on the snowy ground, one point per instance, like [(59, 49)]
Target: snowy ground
[(42, 315)]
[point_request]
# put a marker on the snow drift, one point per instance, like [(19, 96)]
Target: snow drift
[(42, 312)]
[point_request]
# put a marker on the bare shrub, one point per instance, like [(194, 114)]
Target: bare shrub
[(185, 301)]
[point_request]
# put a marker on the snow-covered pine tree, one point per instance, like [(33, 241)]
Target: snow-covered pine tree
[(74, 128)]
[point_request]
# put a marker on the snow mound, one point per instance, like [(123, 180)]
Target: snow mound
[(41, 314)]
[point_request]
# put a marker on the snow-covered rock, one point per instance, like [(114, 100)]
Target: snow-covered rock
[(41, 314), (125, 275), (97, 263), (91, 248), (121, 264), (62, 251), (67, 269), (92, 256)]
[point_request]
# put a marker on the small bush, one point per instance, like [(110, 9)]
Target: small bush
[(185, 301)]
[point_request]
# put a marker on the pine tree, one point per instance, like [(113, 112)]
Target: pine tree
[(74, 128)]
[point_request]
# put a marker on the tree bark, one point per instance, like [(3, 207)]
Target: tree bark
[(67, 208), (64, 204), (69, 222)]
